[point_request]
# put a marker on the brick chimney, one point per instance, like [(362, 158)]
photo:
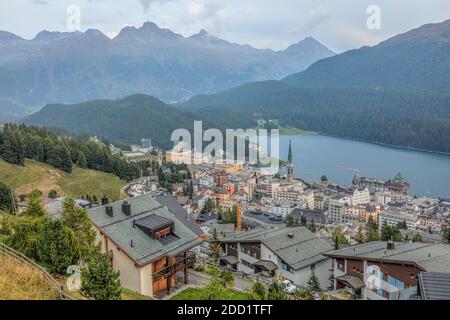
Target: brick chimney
[(238, 217)]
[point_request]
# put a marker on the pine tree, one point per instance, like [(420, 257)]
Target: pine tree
[(24, 233), (313, 283), (215, 248), (34, 205), (276, 292), (99, 281), (7, 198), (82, 162), (60, 158), (290, 221), (76, 219), (57, 247)]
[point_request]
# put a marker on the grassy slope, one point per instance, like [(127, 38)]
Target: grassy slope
[(195, 294), (22, 282), (44, 177)]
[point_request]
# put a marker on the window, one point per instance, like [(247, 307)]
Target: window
[(286, 267)]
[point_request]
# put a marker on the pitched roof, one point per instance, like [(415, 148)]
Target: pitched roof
[(429, 257), (434, 285), (304, 248), (168, 201), (138, 245)]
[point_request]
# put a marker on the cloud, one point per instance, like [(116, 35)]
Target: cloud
[(41, 2), (146, 3)]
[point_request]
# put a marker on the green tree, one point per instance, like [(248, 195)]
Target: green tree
[(324, 178), (57, 247), (53, 194), (34, 205), (76, 219), (402, 225), (304, 294), (390, 233), (24, 232), (258, 292), (290, 221), (313, 283), (60, 158), (215, 249), (217, 288), (7, 198), (275, 291), (338, 237), (446, 235), (99, 280)]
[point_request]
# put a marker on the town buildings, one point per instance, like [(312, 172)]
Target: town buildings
[(288, 253), (386, 270)]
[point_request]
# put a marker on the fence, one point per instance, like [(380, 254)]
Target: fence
[(9, 252)]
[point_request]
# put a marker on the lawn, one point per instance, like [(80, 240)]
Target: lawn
[(41, 176), (195, 294), (289, 131)]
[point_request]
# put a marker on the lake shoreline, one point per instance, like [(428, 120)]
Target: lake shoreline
[(371, 142)]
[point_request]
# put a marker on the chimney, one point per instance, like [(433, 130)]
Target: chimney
[(109, 210), (105, 200), (390, 245), (238, 217), (126, 208), (290, 235)]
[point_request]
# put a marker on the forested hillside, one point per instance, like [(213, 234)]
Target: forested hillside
[(133, 118), (20, 142), (409, 119)]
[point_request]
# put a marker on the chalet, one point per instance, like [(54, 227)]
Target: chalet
[(386, 270), (288, 253), (149, 240)]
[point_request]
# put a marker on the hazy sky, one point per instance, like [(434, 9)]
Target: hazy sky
[(339, 24)]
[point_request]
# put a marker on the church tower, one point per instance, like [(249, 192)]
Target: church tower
[(290, 165)]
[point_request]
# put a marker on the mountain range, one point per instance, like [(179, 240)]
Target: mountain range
[(57, 67), (393, 93)]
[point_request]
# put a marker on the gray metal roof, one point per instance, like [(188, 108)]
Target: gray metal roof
[(168, 201), (300, 251), (266, 265), (352, 281), (143, 249), (154, 222), (231, 260), (429, 257), (434, 285)]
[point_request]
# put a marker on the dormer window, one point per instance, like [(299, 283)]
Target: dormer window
[(159, 228)]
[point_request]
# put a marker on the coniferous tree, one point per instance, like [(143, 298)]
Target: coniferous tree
[(99, 280), (290, 221), (57, 248), (313, 283), (34, 205), (215, 248), (7, 198), (76, 219)]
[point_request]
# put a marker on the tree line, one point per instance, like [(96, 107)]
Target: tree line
[(18, 142), (58, 244)]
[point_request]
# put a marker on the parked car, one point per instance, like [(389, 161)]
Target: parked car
[(289, 287)]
